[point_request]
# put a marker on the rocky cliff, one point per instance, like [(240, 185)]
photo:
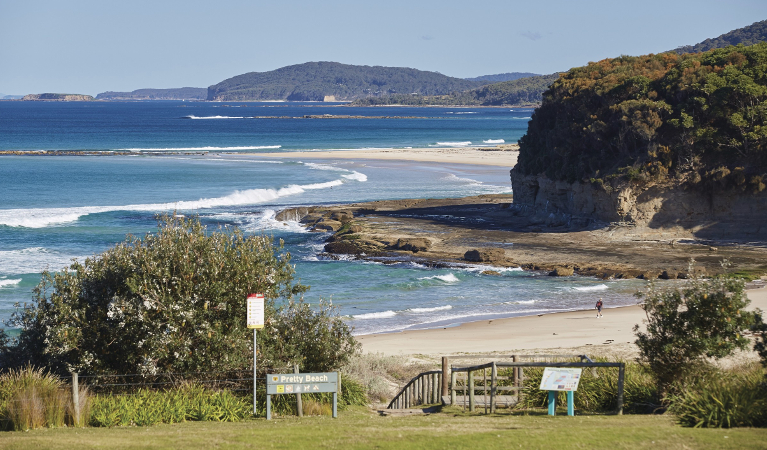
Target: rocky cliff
[(663, 209)]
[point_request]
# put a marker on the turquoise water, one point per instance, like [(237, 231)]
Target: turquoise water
[(55, 208)]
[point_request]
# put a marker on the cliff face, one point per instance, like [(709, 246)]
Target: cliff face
[(656, 209)]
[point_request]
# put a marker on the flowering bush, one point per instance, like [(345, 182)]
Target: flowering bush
[(173, 301)]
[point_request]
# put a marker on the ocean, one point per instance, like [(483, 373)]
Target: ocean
[(196, 158)]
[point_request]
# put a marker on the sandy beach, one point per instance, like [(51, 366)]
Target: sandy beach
[(567, 331), (505, 156)]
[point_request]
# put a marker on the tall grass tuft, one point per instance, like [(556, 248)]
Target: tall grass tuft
[(31, 398), (723, 399)]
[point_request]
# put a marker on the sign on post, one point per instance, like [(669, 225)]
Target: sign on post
[(301, 383), (560, 379), (256, 311), (255, 320), (557, 379)]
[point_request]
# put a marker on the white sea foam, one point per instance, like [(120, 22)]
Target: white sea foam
[(44, 217), (375, 315), (349, 175), (356, 176), (199, 149), (212, 117), (522, 118), (33, 260), (454, 144), (484, 267), (521, 302), (4, 283), (453, 177), (494, 141), (267, 221), (427, 310), (599, 287), (449, 278)]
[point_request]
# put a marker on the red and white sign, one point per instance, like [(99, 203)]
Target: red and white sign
[(256, 311)]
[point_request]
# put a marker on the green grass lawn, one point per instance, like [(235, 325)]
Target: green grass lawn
[(361, 428)]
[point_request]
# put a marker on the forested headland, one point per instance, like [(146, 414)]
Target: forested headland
[(184, 93), (698, 119), (519, 92), (320, 81)]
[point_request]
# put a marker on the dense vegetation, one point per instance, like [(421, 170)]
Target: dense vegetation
[(699, 119), (499, 77), (174, 301), (522, 91), (752, 34), (313, 81), (688, 326), (185, 93)]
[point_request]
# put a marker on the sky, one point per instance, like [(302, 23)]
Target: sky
[(88, 47)]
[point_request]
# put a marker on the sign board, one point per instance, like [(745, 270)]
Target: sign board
[(560, 379), (301, 383), (256, 311)]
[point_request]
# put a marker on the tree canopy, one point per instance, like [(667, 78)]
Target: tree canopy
[(700, 119)]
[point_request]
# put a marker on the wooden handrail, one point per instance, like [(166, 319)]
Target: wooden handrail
[(408, 395)]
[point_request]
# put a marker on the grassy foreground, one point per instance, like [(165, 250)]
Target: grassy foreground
[(359, 427)]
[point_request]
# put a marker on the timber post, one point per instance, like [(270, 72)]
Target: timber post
[(445, 371), (621, 375)]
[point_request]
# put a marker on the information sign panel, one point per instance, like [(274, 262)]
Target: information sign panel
[(560, 379), (301, 383), (255, 311)]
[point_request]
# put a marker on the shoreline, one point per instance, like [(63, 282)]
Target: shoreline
[(581, 330), (500, 156)]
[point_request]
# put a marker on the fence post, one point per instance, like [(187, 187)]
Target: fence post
[(515, 377), (484, 387), (453, 379), (299, 403), (493, 386), (435, 388), (445, 370), (471, 391), (76, 398), (621, 374)]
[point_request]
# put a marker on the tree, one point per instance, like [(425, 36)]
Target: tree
[(703, 319), (173, 301)]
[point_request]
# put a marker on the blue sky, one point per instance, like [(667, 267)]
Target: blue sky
[(80, 46)]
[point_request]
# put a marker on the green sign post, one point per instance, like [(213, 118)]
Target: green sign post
[(301, 383)]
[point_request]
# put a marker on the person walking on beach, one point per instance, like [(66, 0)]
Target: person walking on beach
[(599, 308)]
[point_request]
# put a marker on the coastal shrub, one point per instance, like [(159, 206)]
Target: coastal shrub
[(723, 399), (315, 338), (174, 301), (685, 325)]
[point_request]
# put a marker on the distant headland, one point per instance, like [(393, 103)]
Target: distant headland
[(58, 97)]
